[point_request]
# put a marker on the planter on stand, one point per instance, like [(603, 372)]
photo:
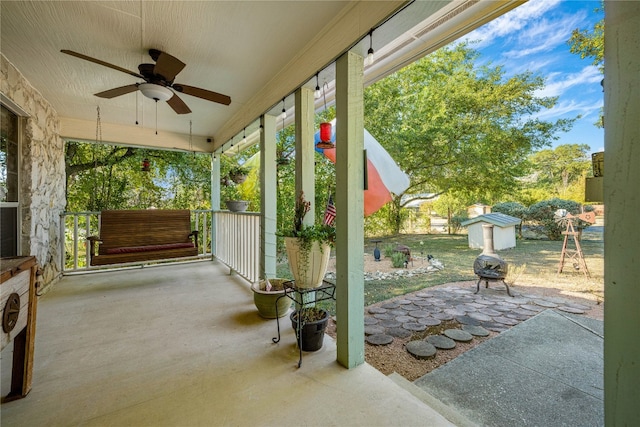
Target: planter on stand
[(310, 334), (265, 301), (308, 267)]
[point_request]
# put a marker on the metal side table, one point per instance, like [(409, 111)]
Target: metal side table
[(324, 292)]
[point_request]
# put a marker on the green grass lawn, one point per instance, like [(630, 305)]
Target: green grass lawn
[(537, 258)]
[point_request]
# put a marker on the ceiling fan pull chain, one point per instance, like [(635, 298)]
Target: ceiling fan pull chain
[(156, 116)]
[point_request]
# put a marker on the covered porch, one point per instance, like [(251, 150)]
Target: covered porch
[(183, 344)]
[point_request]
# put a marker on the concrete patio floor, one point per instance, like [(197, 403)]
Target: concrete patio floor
[(183, 345)]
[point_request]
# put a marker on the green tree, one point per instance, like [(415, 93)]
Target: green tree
[(589, 43), (561, 171), (102, 176), (453, 125)]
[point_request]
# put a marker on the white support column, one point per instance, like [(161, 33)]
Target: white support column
[(305, 161), (622, 205), (305, 151), (268, 197), (350, 209), (215, 197)]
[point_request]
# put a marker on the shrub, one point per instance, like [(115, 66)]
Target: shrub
[(543, 214), (388, 250), (398, 259), (514, 209)]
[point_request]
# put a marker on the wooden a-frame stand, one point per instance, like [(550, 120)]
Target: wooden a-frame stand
[(574, 255)]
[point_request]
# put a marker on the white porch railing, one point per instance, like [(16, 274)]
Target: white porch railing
[(78, 226), (237, 241)]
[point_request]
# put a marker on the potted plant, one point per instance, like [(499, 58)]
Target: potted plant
[(308, 248), (238, 174), (265, 296), (310, 334), (234, 201)]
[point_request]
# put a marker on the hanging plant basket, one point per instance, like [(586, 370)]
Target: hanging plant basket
[(238, 178)]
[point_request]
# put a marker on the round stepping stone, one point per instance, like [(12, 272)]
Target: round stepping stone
[(475, 330), (419, 313), (478, 316), (576, 305), (466, 320), (405, 319), (494, 327), (399, 332), (377, 310), (373, 329), (559, 301), (429, 321), (390, 305), (390, 324), (442, 316), (531, 307), (489, 312), (421, 349), (441, 342), (423, 294), (505, 321), (547, 304), (370, 320), (516, 300), (383, 316), (414, 326), (570, 309), (524, 312), (516, 316), (379, 339), (454, 312), (504, 309), (404, 301), (458, 335), (462, 307), (474, 305), (397, 312), (462, 291)]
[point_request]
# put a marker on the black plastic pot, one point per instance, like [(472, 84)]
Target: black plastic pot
[(312, 332)]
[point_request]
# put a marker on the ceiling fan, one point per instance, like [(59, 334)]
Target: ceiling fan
[(158, 79)]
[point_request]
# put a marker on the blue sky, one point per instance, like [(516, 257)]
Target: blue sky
[(533, 37)]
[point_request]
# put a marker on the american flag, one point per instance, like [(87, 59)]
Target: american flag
[(330, 213)]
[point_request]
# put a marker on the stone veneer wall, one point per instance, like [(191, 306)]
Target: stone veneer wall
[(42, 169)]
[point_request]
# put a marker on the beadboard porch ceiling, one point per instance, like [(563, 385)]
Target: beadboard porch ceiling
[(257, 52)]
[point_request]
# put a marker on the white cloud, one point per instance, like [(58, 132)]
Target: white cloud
[(558, 83), (512, 21), (570, 107)]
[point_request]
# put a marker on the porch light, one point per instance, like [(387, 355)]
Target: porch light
[(318, 94), (369, 59), (155, 92), (283, 116), (146, 165)]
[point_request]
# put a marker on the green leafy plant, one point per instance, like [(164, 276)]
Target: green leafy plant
[(388, 250), (398, 259)]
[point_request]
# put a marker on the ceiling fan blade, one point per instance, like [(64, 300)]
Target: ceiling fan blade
[(98, 61), (112, 93), (178, 105), (203, 93), (168, 66)]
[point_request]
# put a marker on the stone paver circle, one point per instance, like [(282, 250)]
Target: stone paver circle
[(379, 339), (429, 321), (399, 332), (421, 349), (414, 326), (441, 342), (377, 310), (476, 330), (373, 329), (458, 335)]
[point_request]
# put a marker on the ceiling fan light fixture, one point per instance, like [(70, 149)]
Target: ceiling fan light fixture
[(155, 92)]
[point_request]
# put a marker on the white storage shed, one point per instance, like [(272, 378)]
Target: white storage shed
[(504, 230)]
